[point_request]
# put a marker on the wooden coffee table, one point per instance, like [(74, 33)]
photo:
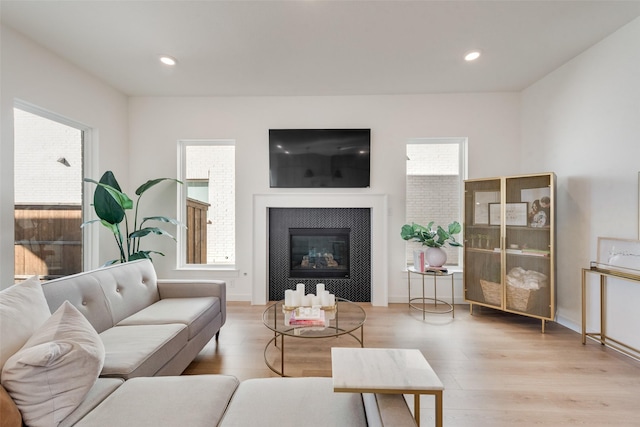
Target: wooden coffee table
[(386, 370)]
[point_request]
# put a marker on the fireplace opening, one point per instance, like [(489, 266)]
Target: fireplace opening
[(319, 252)]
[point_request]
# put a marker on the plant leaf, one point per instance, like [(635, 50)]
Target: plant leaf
[(163, 219), (147, 185), (108, 200), (143, 255), (148, 230)]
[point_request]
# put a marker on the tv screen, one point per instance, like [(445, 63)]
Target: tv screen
[(314, 158)]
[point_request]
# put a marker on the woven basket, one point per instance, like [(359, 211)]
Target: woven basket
[(491, 292), (518, 298)]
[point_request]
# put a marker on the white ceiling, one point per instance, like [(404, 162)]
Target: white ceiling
[(316, 47)]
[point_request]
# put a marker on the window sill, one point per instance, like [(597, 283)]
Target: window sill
[(220, 270)]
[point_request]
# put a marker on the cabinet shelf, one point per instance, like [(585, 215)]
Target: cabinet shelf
[(506, 214)]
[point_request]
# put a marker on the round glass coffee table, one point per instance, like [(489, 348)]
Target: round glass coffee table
[(345, 319)]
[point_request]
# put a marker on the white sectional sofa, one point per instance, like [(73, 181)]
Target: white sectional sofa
[(105, 349), (148, 328)]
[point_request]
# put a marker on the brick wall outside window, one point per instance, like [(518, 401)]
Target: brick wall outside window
[(433, 190)]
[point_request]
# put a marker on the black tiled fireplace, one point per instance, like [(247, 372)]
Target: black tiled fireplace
[(319, 253), (320, 245)]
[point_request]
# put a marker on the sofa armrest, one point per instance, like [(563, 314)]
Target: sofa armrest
[(168, 288)]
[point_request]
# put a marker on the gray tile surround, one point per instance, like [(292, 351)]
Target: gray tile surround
[(358, 286)]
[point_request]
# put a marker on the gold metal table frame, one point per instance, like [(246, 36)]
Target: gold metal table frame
[(601, 336), (349, 317), (434, 302)]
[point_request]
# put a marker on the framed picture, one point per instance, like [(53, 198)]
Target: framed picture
[(515, 214), (495, 212), (481, 201), (621, 253), (539, 205)]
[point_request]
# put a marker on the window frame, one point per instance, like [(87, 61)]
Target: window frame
[(90, 242), (462, 143), (181, 248)]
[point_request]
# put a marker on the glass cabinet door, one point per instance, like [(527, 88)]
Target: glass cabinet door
[(528, 225), (482, 237)]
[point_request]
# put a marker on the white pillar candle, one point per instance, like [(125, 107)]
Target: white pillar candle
[(319, 289), (325, 298), (332, 300), (300, 288), (316, 301), (307, 300), (288, 297), (296, 299)]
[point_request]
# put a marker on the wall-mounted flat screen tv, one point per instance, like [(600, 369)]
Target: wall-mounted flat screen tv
[(315, 158)]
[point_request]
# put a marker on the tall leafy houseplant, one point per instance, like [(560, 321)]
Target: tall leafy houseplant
[(111, 206)]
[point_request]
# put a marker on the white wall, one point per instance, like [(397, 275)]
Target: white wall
[(34, 75), (490, 121), (583, 122)]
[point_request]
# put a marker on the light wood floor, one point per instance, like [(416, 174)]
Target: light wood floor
[(498, 369)]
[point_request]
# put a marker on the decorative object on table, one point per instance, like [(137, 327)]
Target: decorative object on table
[(298, 298), (434, 237), (111, 204), (619, 253)]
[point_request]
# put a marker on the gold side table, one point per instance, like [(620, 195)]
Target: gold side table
[(434, 303)]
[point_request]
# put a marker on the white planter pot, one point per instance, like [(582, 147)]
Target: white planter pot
[(435, 257)]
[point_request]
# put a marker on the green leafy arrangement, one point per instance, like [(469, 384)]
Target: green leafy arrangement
[(111, 204), (430, 236)]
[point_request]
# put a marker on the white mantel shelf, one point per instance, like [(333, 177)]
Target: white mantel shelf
[(379, 234)]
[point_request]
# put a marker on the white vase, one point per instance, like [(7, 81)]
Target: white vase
[(435, 257)]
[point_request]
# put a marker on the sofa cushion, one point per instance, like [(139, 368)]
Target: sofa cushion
[(196, 313), (140, 351), (23, 309), (293, 402), (100, 390), (9, 413), (52, 373), (188, 400)]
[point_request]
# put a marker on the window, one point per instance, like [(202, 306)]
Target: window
[(436, 169), (207, 203), (48, 170)]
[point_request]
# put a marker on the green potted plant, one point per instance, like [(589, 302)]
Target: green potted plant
[(433, 237), (111, 204)]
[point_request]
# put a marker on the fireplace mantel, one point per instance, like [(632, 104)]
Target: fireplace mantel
[(376, 202)]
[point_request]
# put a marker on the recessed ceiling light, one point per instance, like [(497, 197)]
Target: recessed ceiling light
[(168, 60), (472, 55)]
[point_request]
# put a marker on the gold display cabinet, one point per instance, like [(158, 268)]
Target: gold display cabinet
[(509, 244)]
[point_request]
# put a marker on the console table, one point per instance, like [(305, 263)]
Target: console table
[(448, 308), (603, 272)]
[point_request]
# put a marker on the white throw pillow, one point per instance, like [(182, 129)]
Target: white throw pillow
[(51, 375), (23, 309)]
